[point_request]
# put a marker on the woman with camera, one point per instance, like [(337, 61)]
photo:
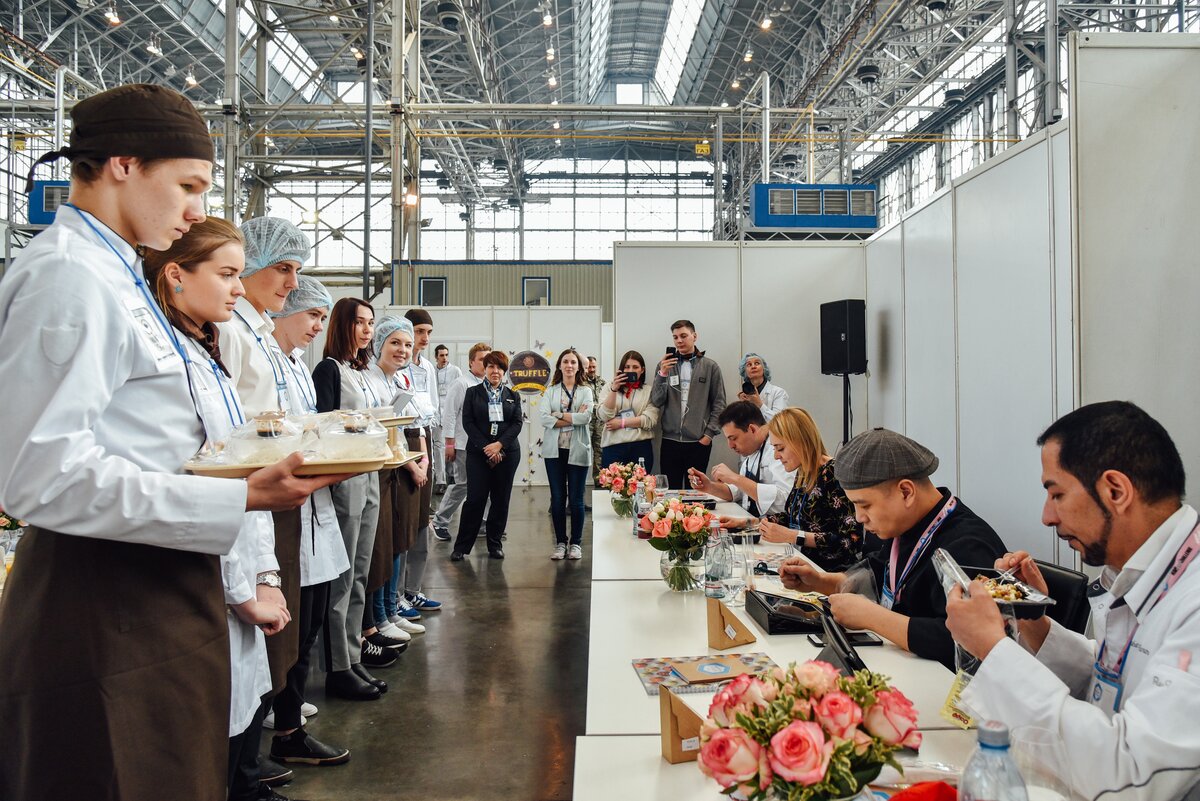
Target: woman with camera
[(628, 415)]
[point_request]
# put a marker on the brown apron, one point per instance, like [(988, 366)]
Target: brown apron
[(382, 554), (283, 649), (115, 672), (424, 510)]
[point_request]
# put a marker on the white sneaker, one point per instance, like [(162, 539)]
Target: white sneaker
[(269, 720), (308, 710), (404, 624), (575, 553), (391, 632), (560, 552)]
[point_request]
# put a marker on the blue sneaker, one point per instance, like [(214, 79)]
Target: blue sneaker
[(421, 602), (406, 610)]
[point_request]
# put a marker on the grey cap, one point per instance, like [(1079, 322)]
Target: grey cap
[(879, 455)]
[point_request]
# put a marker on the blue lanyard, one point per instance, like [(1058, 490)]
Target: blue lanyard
[(570, 395), (226, 392), (494, 397), (893, 586), (139, 283), (310, 401), (368, 393), (280, 381)]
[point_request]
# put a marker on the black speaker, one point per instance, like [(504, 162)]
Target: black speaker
[(844, 337)]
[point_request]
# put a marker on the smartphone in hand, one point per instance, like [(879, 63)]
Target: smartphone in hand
[(631, 377), (748, 388), (672, 353)]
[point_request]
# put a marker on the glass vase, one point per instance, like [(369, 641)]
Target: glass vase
[(621, 504), (682, 573)]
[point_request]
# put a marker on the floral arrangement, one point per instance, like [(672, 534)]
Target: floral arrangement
[(624, 479), (10, 523), (804, 733), (680, 530)]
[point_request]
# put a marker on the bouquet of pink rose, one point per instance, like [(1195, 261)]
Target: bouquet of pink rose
[(681, 530), (804, 733), (624, 479)]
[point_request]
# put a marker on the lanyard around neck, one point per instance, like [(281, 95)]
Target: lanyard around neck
[(276, 373), (893, 584), (299, 376)]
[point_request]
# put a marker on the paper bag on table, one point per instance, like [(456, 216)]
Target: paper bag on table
[(680, 728), (724, 628)]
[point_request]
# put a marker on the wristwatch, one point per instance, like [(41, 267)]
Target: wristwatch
[(270, 579)]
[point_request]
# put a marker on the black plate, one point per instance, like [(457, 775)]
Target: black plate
[(1031, 607)]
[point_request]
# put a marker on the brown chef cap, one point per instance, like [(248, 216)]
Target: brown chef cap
[(141, 120)]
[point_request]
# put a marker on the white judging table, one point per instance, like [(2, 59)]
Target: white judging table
[(638, 619), (633, 767)]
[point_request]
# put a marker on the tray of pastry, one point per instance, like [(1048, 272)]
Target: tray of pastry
[(408, 459), (313, 468)]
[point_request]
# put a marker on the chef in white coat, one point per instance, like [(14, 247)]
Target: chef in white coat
[(1125, 704), (94, 445), (196, 284)]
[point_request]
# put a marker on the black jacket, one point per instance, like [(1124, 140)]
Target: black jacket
[(479, 428), (972, 543)]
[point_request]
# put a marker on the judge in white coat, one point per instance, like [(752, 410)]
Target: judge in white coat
[(1126, 704), (756, 376), (761, 483), (94, 445), (196, 283)]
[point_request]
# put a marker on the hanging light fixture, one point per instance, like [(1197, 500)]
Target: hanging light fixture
[(766, 23), (736, 84), (190, 78), (550, 53), (558, 142), (547, 18), (410, 198), (554, 102), (154, 46), (556, 125), (748, 57), (111, 14), (552, 81)]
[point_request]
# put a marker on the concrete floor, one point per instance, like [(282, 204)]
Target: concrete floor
[(487, 703)]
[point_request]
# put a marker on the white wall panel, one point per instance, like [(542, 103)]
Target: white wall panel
[(1066, 394), (931, 361), (783, 287), (885, 328), (1136, 226), (1005, 341)]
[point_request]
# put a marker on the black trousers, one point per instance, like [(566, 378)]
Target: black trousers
[(243, 757), (484, 483), (313, 603), (677, 457)]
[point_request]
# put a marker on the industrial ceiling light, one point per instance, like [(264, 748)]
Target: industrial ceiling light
[(767, 23), (554, 102), (556, 125), (268, 141), (549, 53), (552, 80), (868, 73), (310, 217), (724, 104), (358, 54), (558, 142), (547, 18), (190, 78), (748, 57), (410, 198), (736, 84), (154, 47), (111, 14)]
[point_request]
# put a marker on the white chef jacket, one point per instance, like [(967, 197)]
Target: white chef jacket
[(774, 400), (445, 377), (246, 350), (389, 388), (427, 401), (774, 483), (101, 422), (1148, 749), (250, 673), (322, 551), (452, 425)]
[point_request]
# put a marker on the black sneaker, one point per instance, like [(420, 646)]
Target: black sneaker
[(384, 641), (302, 747), (374, 656), (273, 774), (441, 534), (267, 793)]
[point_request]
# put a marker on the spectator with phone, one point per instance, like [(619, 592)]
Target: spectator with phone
[(757, 387), (689, 390), (628, 416)]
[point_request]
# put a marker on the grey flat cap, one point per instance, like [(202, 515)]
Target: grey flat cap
[(879, 455)]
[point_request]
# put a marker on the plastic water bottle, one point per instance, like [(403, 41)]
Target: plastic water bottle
[(718, 560), (640, 506), (991, 774)]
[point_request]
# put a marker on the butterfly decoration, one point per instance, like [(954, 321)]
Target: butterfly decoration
[(512, 353), (538, 344)]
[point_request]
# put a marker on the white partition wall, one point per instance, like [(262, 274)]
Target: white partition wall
[(1135, 113), (984, 329), (762, 297)]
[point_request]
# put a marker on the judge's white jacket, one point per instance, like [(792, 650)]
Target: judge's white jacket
[(250, 673), (98, 418), (774, 482), (1150, 748)]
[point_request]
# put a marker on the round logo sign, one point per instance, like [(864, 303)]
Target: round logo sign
[(529, 373)]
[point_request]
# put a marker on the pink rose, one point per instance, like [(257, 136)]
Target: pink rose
[(862, 742), (692, 524), (892, 719), (739, 695), (800, 753), (817, 677), (662, 528), (730, 757), (839, 714), (633, 485), (801, 708), (618, 484), (646, 524)]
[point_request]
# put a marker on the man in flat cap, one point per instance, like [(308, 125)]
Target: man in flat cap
[(886, 477)]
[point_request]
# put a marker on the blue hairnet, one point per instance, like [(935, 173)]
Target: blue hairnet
[(387, 326), (311, 294), (766, 367), (270, 240)]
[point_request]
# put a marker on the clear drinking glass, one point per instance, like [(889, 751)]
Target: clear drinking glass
[(660, 485), (1041, 757), (738, 576)]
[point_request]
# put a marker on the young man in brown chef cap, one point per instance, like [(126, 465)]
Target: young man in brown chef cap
[(123, 548)]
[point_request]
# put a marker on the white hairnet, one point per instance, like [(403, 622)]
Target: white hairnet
[(387, 326), (270, 240), (311, 294)]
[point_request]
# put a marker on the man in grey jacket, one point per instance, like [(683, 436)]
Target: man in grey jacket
[(690, 391)]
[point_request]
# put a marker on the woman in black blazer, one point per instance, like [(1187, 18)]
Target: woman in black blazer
[(491, 416)]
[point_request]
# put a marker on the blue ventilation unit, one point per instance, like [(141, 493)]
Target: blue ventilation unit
[(814, 207), (45, 199)]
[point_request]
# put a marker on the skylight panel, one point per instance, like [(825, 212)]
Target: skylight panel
[(677, 42)]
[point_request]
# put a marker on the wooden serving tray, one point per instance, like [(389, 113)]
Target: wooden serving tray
[(323, 468), (412, 457), (394, 422)]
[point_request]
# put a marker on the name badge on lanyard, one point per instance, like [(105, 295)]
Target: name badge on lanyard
[(149, 330), (495, 412), (893, 581)]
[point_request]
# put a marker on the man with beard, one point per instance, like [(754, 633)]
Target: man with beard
[(1125, 704)]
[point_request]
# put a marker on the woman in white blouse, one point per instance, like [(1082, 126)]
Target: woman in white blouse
[(567, 409), (756, 376), (629, 416)]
